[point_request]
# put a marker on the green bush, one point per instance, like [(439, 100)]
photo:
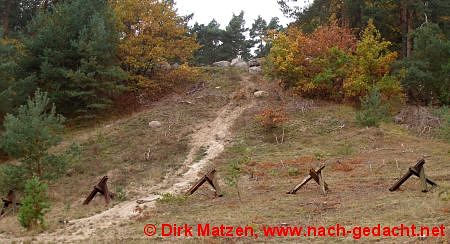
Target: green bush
[(293, 171), (234, 169), (28, 136), (34, 205), (167, 198), (373, 111), (121, 195)]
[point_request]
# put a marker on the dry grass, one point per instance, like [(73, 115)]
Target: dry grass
[(132, 154), (419, 119), (362, 164)]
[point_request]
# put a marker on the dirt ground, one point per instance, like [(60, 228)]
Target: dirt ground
[(255, 170), (361, 165)]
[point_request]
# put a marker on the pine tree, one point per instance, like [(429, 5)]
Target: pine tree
[(258, 33), (210, 38), (28, 136), (35, 204), (274, 24), (373, 110), (426, 72), (73, 51), (16, 14), (14, 89), (234, 41)]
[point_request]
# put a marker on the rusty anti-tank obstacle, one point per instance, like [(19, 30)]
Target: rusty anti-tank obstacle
[(10, 200), (209, 177), (316, 175), (102, 188), (419, 171)]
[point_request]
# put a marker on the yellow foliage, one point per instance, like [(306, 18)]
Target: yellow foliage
[(370, 67), (285, 56), (166, 80), (311, 63), (153, 33), (330, 63)]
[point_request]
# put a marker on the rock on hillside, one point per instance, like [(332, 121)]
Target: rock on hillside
[(222, 64)]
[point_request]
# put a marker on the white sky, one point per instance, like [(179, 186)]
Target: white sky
[(222, 10)]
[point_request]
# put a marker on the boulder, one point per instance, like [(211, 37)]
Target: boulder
[(261, 94), (220, 136), (154, 124), (254, 63), (236, 60), (175, 66), (222, 64), (255, 70), (398, 119), (241, 65), (165, 66)]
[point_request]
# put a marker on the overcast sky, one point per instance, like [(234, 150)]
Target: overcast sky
[(222, 10)]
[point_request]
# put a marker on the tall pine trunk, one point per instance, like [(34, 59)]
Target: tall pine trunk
[(5, 17), (409, 40), (404, 28), (407, 27)]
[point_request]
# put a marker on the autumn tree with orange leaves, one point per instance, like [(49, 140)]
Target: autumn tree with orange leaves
[(153, 35), (331, 63), (313, 63)]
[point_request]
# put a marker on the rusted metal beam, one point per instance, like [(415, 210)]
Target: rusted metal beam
[(297, 187), (417, 170), (429, 181), (102, 188), (211, 179), (9, 200), (402, 180), (314, 174)]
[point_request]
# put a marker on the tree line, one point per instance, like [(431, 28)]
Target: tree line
[(85, 54), (235, 40), (418, 31)]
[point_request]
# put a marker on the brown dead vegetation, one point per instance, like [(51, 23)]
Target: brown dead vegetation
[(418, 119)]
